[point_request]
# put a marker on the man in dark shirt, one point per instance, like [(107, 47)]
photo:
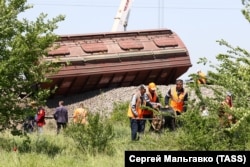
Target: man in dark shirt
[(61, 116)]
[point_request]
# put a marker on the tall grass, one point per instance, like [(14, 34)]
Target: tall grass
[(50, 149)]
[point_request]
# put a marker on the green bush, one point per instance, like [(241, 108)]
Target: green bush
[(7, 144), (207, 133), (93, 138), (44, 146), (119, 114), (41, 145), (200, 133)]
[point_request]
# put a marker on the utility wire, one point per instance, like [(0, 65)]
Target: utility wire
[(143, 7)]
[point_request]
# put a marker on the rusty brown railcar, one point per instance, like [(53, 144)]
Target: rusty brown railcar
[(117, 59)]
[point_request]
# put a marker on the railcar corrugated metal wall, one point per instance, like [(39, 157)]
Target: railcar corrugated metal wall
[(117, 59)]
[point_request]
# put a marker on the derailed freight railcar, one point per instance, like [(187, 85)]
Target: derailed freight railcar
[(117, 59)]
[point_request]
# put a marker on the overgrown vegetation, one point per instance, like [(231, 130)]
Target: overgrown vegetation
[(22, 45), (103, 141), (231, 74), (93, 138), (30, 144), (117, 117)]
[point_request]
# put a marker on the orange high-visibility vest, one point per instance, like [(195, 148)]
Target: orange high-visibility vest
[(152, 99), (138, 108), (202, 78), (130, 113), (177, 102), (80, 116)]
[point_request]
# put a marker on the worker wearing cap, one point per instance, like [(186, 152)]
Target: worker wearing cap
[(155, 102), (201, 77), (137, 124)]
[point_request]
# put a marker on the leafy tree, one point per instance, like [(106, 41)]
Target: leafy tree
[(246, 10), (230, 74), (23, 44)]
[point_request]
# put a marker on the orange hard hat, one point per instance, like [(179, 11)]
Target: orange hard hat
[(152, 86)]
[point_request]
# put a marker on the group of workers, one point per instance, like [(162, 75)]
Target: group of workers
[(60, 115), (142, 106), (175, 98)]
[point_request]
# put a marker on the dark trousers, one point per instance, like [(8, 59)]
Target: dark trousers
[(137, 126), (60, 125), (170, 118)]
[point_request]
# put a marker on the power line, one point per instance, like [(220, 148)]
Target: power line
[(143, 7)]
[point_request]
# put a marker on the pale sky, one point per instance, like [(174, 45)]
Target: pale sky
[(199, 23)]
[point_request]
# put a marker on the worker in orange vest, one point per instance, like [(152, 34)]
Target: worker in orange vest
[(137, 124), (155, 101), (201, 77), (80, 114), (177, 97)]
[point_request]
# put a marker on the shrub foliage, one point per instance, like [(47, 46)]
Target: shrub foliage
[(230, 74), (93, 138)]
